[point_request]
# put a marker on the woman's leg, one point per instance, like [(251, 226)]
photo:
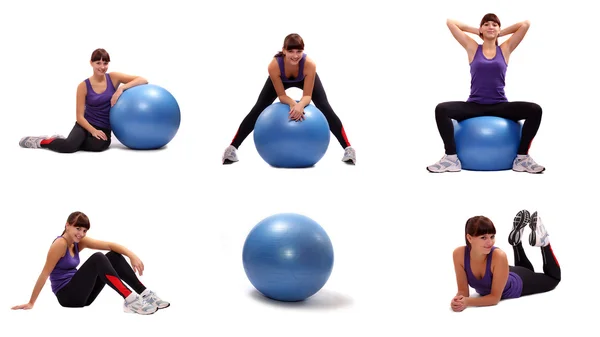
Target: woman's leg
[(444, 114), (535, 283), (319, 98), (84, 287), (266, 97), (127, 274), (521, 220), (93, 144)]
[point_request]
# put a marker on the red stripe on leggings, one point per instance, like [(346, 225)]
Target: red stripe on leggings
[(119, 285), (345, 137), (47, 141), (554, 257), (234, 137)]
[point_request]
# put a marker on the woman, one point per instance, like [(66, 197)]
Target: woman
[(488, 63), (485, 268), (95, 97), (76, 288), (291, 68)]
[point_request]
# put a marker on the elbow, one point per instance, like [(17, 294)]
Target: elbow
[(494, 300), (142, 80)]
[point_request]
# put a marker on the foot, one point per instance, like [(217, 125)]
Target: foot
[(349, 156), (448, 163), (230, 155), (539, 236), (152, 298), (32, 142), (524, 163), (522, 219), (135, 303)]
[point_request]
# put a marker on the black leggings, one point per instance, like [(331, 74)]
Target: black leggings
[(78, 140), (535, 283), (98, 271), (515, 111), (267, 97)]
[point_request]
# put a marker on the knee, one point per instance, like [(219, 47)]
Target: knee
[(98, 257), (112, 256), (440, 110), (536, 110)]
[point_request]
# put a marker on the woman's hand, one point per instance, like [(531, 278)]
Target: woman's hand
[(99, 134), (115, 97), (459, 303), (296, 112), (23, 306), (137, 264)]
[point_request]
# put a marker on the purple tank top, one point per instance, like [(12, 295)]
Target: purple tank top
[(97, 105), (64, 269), (488, 78), (300, 77), (483, 287)]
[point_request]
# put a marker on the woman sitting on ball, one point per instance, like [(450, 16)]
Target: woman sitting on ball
[(488, 63), (77, 288), (483, 267), (291, 68), (95, 97)]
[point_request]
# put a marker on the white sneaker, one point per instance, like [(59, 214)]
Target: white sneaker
[(230, 155), (527, 164), (539, 236), (137, 304), (349, 156), (448, 163), (31, 142), (153, 299)]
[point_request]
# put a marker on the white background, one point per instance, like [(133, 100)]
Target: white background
[(393, 224)]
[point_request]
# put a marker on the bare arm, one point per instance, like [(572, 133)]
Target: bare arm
[(310, 72), (80, 108), (459, 30), (459, 269), (57, 250), (275, 75), (518, 32), (500, 270), (90, 243), (127, 81)]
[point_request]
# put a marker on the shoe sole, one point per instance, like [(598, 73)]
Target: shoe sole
[(445, 171), (525, 170), (521, 220), (533, 226)]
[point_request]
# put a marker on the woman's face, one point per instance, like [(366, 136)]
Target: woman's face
[(74, 233), (490, 30), (483, 243), (100, 67), (293, 56)]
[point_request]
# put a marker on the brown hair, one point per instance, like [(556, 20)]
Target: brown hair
[(490, 17), (78, 219), (478, 225), (291, 42), (100, 55)]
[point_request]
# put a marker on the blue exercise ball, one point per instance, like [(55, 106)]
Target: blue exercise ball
[(145, 117), (285, 143), (487, 143), (288, 257)]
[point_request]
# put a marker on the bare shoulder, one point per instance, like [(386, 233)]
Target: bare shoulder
[(499, 253), (59, 246), (458, 253), (273, 67), (310, 63), (82, 87)]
